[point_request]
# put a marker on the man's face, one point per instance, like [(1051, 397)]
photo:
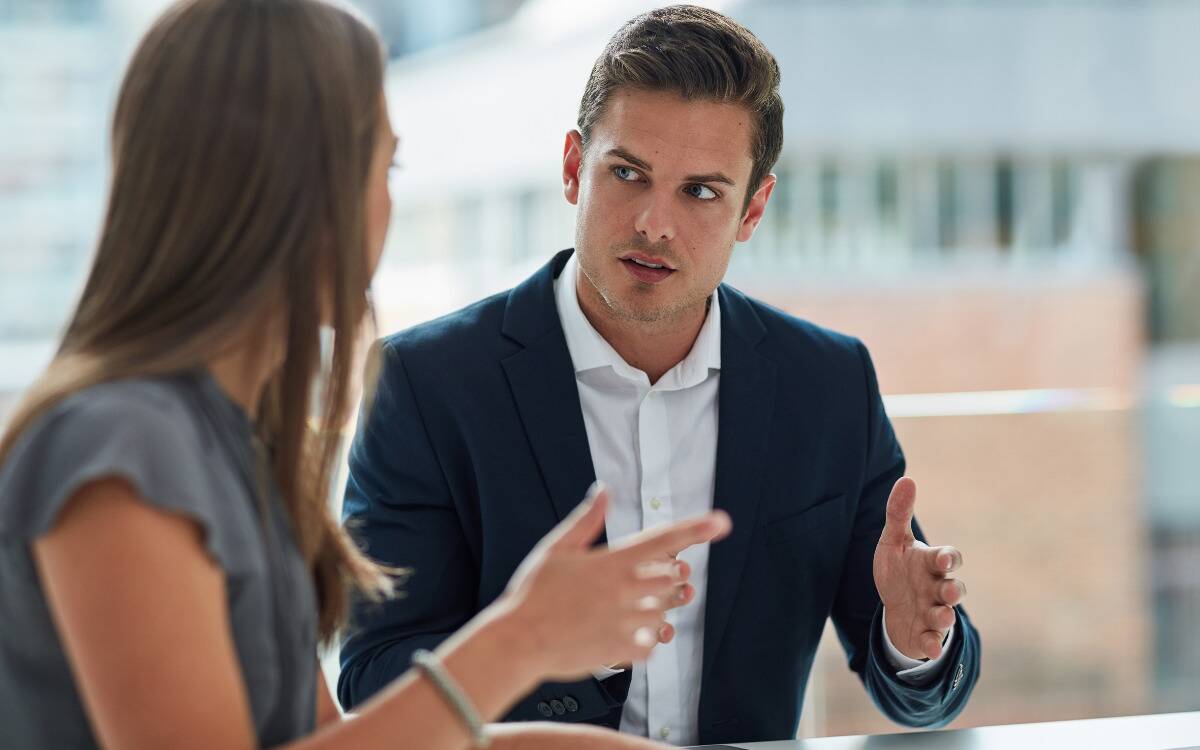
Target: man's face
[(662, 182)]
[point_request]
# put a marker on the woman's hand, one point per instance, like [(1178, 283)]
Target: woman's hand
[(550, 736), (576, 606)]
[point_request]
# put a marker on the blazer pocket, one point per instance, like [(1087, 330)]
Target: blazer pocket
[(817, 516)]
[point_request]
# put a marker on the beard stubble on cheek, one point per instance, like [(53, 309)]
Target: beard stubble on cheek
[(642, 303)]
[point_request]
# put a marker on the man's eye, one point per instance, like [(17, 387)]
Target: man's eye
[(703, 192), (625, 173)]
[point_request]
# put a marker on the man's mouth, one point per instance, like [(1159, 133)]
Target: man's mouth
[(647, 269), (647, 265)]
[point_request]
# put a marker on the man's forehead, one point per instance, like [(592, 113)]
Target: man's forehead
[(689, 135)]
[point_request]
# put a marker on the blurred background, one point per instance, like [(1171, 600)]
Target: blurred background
[(1001, 198)]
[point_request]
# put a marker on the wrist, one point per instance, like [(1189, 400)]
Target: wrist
[(515, 642), (893, 641), (492, 661)]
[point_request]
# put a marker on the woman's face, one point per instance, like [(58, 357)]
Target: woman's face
[(379, 199)]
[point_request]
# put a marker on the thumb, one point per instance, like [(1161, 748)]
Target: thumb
[(579, 530), (898, 527)]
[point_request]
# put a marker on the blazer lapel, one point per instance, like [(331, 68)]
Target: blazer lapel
[(747, 396), (542, 378)]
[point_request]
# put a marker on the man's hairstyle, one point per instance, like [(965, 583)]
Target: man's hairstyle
[(698, 54)]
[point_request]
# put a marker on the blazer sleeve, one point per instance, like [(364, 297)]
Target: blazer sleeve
[(399, 509), (857, 611)]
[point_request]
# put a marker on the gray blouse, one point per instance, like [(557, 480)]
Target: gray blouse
[(186, 448)]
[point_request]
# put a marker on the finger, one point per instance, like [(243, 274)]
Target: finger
[(951, 591), (683, 571), (648, 620), (679, 571), (666, 633), (654, 570), (671, 594), (650, 603), (637, 654), (661, 540), (581, 528), (940, 618), (897, 528), (662, 587), (931, 643), (682, 596), (645, 637), (943, 560), (635, 639)]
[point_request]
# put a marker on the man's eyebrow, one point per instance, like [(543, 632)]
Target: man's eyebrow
[(623, 154), (713, 177)]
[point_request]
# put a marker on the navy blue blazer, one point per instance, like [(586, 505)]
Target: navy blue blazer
[(474, 448)]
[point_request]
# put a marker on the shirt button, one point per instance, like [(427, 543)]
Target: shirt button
[(664, 733), (655, 503)]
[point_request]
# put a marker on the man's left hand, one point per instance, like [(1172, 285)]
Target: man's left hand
[(914, 580)]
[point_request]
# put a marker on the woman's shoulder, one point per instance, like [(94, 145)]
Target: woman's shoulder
[(149, 431), (152, 402)]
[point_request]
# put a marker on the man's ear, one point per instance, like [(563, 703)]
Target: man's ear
[(754, 211), (572, 162)]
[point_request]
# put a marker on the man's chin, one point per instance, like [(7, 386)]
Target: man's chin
[(637, 311)]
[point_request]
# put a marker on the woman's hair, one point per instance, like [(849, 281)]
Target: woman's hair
[(242, 139)]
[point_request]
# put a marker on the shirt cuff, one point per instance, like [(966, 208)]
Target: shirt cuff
[(912, 670), (603, 673)]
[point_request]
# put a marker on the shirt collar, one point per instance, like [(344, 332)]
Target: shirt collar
[(589, 350)]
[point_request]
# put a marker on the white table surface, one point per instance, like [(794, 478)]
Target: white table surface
[(1154, 732)]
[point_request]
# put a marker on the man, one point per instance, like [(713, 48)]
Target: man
[(629, 361)]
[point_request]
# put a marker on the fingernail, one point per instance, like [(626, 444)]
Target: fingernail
[(644, 637), (681, 595)]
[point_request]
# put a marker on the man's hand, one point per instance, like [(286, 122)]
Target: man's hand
[(914, 580)]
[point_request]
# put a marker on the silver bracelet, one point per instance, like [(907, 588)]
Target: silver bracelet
[(430, 666)]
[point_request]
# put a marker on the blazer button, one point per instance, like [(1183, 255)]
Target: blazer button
[(571, 704), (558, 707), (545, 710)]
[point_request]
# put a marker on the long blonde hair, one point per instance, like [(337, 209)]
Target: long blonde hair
[(241, 143)]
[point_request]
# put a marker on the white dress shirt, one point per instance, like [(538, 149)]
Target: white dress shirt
[(655, 447)]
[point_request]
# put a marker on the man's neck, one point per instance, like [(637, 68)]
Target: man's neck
[(652, 347)]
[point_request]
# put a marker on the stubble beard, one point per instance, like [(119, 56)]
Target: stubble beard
[(628, 311)]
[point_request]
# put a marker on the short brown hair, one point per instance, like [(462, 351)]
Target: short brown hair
[(698, 54)]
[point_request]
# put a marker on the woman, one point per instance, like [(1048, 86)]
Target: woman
[(167, 561)]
